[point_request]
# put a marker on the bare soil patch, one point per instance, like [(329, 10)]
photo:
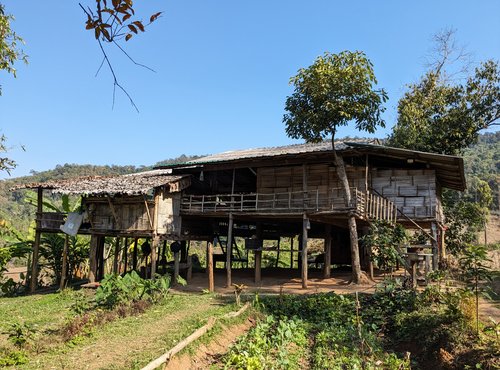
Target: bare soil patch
[(207, 355)]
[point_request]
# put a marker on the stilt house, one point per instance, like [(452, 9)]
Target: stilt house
[(264, 194)]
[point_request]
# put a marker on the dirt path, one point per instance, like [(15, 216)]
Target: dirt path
[(207, 355)]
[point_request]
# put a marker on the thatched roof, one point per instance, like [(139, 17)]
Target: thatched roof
[(132, 184)]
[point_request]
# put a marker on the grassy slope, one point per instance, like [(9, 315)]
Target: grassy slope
[(125, 343)]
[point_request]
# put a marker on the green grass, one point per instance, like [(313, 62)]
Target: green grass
[(125, 343)]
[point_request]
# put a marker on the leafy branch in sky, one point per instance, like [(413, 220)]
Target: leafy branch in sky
[(10, 52), (112, 22)]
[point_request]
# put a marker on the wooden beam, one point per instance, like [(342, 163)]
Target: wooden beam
[(229, 248), (113, 211), (328, 252), (148, 213), (36, 244), (125, 256), (305, 223)]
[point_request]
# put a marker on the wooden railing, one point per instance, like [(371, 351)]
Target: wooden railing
[(379, 208), (365, 204)]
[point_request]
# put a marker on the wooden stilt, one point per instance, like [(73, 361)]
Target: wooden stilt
[(36, 244), (134, 255), (229, 248), (305, 223), (177, 260), (291, 252), (189, 275), (64, 269), (210, 266), (100, 256), (125, 256), (116, 255), (154, 246), (278, 254), (328, 252), (93, 258), (258, 266)]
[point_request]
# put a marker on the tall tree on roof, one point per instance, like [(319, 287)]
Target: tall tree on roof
[(336, 90)]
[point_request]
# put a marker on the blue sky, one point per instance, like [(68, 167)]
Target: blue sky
[(222, 72)]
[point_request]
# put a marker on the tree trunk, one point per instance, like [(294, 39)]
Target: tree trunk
[(357, 275)]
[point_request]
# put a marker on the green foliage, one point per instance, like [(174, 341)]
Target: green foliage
[(20, 334), (272, 343), (10, 52), (115, 290), (464, 219), (384, 241), (13, 358), (335, 90), (475, 270), (438, 116)]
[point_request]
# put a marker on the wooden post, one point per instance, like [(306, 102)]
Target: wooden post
[(189, 275), (134, 255), (414, 273), (101, 241), (36, 244), (93, 258), (210, 266), (436, 255), (116, 254), (258, 265), (64, 269), (177, 259), (154, 246), (328, 252), (125, 256), (305, 222), (442, 243), (291, 252), (229, 248)]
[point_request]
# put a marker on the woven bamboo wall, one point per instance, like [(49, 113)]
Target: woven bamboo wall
[(169, 220), (412, 191)]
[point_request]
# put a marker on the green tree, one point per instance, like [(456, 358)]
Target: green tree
[(436, 115), (336, 90)]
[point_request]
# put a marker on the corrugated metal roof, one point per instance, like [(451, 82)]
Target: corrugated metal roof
[(131, 184)]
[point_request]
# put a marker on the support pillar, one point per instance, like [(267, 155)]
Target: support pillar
[(93, 258), (36, 244), (177, 259), (258, 266), (116, 254), (210, 266), (64, 269), (134, 255), (328, 252), (154, 246), (229, 247), (305, 224)]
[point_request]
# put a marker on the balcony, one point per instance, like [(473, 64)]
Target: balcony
[(365, 204)]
